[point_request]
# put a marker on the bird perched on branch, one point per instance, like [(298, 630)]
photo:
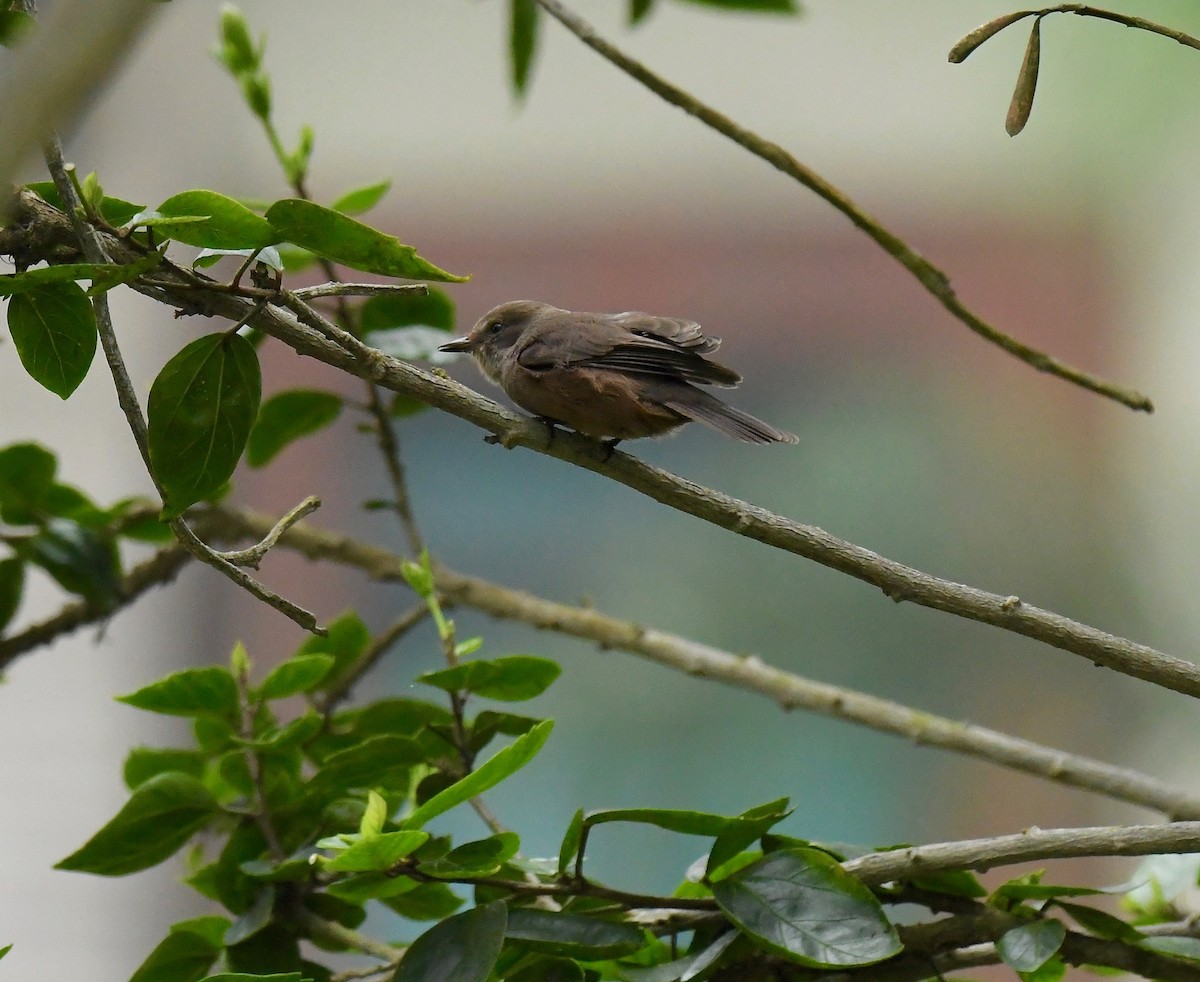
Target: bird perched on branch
[(614, 376)]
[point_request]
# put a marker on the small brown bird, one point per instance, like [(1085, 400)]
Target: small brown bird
[(620, 376)]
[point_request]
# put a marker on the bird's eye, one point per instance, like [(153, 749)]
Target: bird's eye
[(495, 327)]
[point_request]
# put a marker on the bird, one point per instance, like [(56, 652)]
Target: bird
[(612, 377)]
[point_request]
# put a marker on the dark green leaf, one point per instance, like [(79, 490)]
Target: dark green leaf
[(26, 476), (480, 858), (227, 224), (570, 843), (522, 42), (13, 25), (1052, 970), (300, 674), (296, 733), (335, 236), (755, 6), (752, 824), (12, 582), (486, 726), (671, 819), (287, 416), (296, 868), (549, 970), (801, 904), (144, 763), (5, 950), (1028, 947), (691, 966), (361, 199), (375, 853), (1102, 924), (379, 762), (81, 559), (53, 329), (105, 274), (388, 311), (505, 762), (64, 501), (186, 954), (462, 948), (190, 692), (255, 976), (956, 883), (201, 409), (638, 9), (254, 919), (573, 935), (372, 886), (1029, 887), (160, 816), (511, 679), (425, 902)]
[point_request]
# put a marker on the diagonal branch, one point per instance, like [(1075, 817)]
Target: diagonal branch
[(42, 228), (745, 672), (928, 275)]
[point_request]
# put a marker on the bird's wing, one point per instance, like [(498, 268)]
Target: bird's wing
[(676, 330)]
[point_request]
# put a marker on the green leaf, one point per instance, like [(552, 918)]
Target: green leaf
[(801, 904), (388, 311), (670, 819), (337, 237), (752, 824), (143, 763), (53, 329), (462, 948), (287, 416), (226, 224), (254, 919), (573, 935), (1028, 947), (480, 858), (374, 815), (511, 679), (105, 274), (26, 476), (376, 853), (753, 6), (425, 902), (186, 954), (523, 31), (382, 761), (550, 969), (956, 883), (300, 674), (361, 199), (81, 559), (5, 950), (13, 25), (1102, 924), (12, 583), (1028, 886), (160, 816), (207, 691), (1052, 970), (504, 763), (570, 843), (256, 977), (201, 408)]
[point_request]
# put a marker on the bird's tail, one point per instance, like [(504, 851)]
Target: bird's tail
[(711, 411)]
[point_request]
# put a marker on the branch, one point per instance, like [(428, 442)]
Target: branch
[(1030, 845), (929, 276), (337, 289), (43, 226), (746, 672), (159, 568)]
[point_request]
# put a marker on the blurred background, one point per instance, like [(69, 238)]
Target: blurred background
[(917, 439)]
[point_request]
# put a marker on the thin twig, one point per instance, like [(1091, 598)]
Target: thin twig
[(928, 275), (338, 289), (253, 555), (746, 672)]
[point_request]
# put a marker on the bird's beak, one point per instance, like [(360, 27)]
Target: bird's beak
[(458, 344)]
